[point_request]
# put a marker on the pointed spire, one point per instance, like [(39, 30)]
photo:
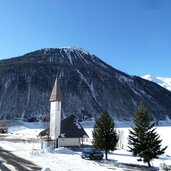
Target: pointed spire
[(56, 92)]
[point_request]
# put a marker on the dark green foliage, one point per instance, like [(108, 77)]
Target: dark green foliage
[(104, 134), (143, 139)]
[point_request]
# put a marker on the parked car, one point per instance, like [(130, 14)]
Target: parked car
[(92, 153)]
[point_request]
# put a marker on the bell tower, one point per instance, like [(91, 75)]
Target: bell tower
[(55, 111)]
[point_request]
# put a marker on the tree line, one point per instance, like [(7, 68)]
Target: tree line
[(143, 140)]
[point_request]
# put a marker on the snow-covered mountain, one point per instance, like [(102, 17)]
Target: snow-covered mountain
[(164, 82), (88, 86)]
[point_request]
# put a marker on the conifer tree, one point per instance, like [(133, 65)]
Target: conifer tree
[(144, 142), (104, 134)]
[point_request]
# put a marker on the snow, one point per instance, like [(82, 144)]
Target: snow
[(124, 79), (96, 60), (164, 82), (90, 86), (77, 124), (62, 135), (83, 58), (65, 159), (68, 55), (79, 54), (46, 169), (147, 77), (76, 49), (28, 98)]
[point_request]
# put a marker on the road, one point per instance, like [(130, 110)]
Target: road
[(11, 162)]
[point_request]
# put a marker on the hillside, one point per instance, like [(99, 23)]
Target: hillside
[(88, 86)]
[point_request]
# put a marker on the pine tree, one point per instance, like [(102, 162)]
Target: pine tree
[(104, 134), (143, 139)]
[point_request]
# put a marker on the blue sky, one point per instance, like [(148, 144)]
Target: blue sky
[(133, 36)]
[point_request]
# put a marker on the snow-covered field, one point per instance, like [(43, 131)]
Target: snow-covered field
[(64, 159)]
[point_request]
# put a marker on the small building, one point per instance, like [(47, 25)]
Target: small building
[(65, 132), (3, 127)]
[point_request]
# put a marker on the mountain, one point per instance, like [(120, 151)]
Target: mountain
[(88, 86), (164, 82)]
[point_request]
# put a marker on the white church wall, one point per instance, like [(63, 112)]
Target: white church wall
[(68, 142)]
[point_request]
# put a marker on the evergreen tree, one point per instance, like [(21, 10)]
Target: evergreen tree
[(143, 139), (104, 134)]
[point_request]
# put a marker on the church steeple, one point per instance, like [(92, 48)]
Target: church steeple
[(56, 92), (55, 111)]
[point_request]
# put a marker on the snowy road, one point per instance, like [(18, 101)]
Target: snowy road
[(9, 161)]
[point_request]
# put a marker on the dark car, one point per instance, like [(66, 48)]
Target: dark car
[(92, 153)]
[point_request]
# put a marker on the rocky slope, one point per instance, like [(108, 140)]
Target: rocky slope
[(88, 86)]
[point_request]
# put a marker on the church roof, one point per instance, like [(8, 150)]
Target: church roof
[(56, 92), (70, 128)]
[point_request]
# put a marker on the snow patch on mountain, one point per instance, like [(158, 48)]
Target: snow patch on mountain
[(69, 56), (162, 81), (75, 49), (90, 86)]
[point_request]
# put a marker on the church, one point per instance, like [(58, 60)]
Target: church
[(62, 132)]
